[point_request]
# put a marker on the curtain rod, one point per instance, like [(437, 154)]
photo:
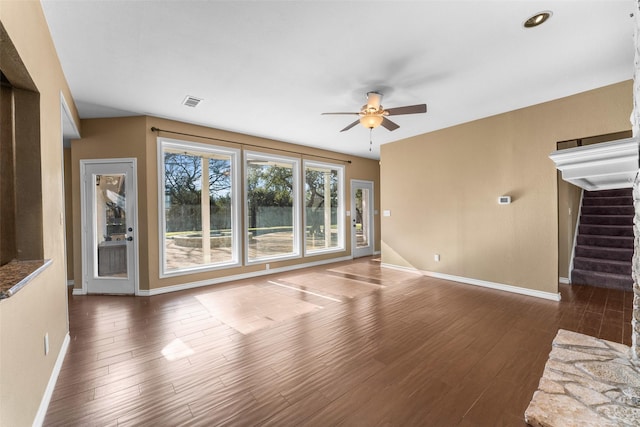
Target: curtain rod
[(155, 129)]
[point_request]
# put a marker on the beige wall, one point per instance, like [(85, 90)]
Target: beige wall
[(442, 190), (132, 137), (40, 307), (106, 139)]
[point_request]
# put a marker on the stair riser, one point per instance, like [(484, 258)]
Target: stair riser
[(605, 253), (607, 220), (604, 241), (607, 201), (624, 192), (606, 231), (607, 210), (602, 267), (584, 278)]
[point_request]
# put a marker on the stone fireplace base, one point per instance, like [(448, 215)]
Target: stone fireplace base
[(586, 382)]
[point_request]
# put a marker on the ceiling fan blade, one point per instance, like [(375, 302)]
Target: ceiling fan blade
[(351, 125), (389, 124), (410, 109), (351, 114)]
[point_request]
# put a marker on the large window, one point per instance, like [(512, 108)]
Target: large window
[(199, 206), (324, 225), (272, 213)]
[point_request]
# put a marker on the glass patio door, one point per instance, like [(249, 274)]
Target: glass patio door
[(362, 225)]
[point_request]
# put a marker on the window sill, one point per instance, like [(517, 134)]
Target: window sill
[(16, 274)]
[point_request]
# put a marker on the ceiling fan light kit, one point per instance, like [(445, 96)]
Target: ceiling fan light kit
[(371, 121), (372, 114)]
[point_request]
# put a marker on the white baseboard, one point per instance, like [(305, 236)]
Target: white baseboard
[(71, 282), (78, 291), (564, 280), (48, 392), (214, 281), (482, 283)]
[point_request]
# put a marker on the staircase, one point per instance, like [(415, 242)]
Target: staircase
[(604, 246)]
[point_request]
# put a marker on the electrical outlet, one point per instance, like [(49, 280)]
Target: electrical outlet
[(436, 257), (46, 343), (267, 266)]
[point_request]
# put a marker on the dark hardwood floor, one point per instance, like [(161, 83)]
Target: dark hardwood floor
[(348, 344)]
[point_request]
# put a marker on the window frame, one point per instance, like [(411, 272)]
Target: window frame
[(236, 223), (296, 215), (340, 211)]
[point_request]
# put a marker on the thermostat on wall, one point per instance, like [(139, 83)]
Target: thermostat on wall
[(504, 200)]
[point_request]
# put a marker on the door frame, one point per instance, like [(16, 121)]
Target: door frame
[(83, 216), (355, 252)]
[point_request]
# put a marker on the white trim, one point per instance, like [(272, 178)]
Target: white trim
[(340, 212), (51, 385), (133, 163), (83, 239), (482, 283), (564, 280), (70, 131), (372, 213), (236, 221), (601, 166), (297, 215), (69, 127), (575, 237), (215, 281), (71, 282)]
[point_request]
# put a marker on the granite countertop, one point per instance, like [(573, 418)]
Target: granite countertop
[(16, 274)]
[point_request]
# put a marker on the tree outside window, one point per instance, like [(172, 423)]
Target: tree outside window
[(198, 216), (271, 213), (323, 207)]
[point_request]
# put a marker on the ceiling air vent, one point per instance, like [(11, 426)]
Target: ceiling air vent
[(191, 101)]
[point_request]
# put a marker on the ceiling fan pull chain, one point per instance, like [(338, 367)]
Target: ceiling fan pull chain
[(370, 142)]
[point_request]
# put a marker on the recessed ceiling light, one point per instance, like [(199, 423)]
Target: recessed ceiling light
[(537, 19)]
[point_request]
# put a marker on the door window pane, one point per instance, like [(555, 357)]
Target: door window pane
[(110, 225), (323, 207), (362, 221), (199, 215), (271, 214)]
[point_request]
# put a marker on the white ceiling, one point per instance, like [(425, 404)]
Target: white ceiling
[(269, 68)]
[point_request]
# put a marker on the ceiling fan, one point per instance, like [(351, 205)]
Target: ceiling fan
[(373, 115)]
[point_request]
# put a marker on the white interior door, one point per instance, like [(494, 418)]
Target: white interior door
[(109, 221), (362, 224)]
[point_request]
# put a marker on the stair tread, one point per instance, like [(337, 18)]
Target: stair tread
[(616, 226), (605, 248), (607, 215), (600, 196), (605, 210), (601, 274), (605, 236), (603, 261)]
